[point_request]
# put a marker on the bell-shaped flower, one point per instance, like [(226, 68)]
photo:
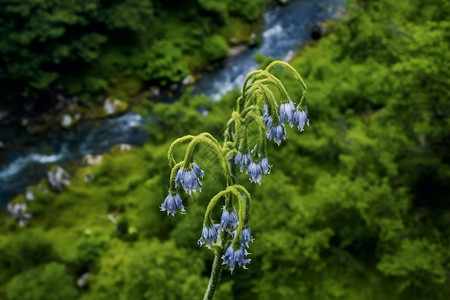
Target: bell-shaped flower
[(287, 111), (229, 219), (264, 164), (255, 172), (246, 236), (233, 257), (242, 160), (209, 236), (171, 203), (276, 133), (189, 179), (300, 119)]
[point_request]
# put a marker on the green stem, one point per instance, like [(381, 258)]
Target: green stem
[(223, 241), (217, 267)]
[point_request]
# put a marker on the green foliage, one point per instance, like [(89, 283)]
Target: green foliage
[(215, 47), (89, 247), (23, 250), (148, 270), (40, 284), (356, 207), (89, 47)]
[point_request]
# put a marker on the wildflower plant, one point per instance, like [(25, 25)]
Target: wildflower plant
[(230, 237)]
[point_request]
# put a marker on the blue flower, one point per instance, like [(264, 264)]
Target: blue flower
[(246, 236), (287, 111), (300, 119), (229, 219), (265, 167), (256, 170), (189, 180), (209, 236), (233, 257), (243, 160), (276, 133), (171, 203)]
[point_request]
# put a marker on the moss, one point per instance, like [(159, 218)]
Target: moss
[(125, 88), (239, 31)]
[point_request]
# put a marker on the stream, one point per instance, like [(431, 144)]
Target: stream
[(25, 159)]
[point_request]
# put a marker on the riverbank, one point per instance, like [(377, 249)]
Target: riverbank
[(25, 159)]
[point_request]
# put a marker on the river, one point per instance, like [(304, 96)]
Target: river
[(25, 159)]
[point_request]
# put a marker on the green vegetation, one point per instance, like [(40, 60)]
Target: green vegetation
[(356, 207), (91, 48)]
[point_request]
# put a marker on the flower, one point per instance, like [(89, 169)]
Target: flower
[(242, 160), (246, 236), (265, 167), (231, 257), (189, 180), (276, 133), (287, 111), (256, 170), (171, 203), (300, 119), (229, 219), (209, 236)]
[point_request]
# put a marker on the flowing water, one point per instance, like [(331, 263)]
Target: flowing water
[(25, 159)]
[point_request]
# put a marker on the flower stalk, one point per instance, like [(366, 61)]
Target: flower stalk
[(266, 104)]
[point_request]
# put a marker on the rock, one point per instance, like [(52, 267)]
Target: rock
[(29, 195), (18, 211), (124, 147), (188, 80), (173, 87), (58, 178), (283, 2), (92, 159), (24, 122), (114, 107), (234, 41), (112, 218), (66, 121), (82, 281), (254, 40), (237, 50), (2, 145), (154, 91)]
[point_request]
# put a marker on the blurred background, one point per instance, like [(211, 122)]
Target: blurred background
[(94, 92)]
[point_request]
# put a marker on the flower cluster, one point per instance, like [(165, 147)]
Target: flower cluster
[(256, 170), (229, 219), (277, 133), (189, 180), (295, 117), (233, 257), (300, 118), (287, 113), (232, 236), (243, 160), (237, 256), (209, 235), (171, 203)]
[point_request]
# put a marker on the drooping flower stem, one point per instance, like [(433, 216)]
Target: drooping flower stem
[(257, 106), (217, 266)]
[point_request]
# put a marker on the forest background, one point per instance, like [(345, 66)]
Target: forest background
[(356, 207)]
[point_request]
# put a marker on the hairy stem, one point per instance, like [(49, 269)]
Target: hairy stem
[(223, 240), (217, 267)]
